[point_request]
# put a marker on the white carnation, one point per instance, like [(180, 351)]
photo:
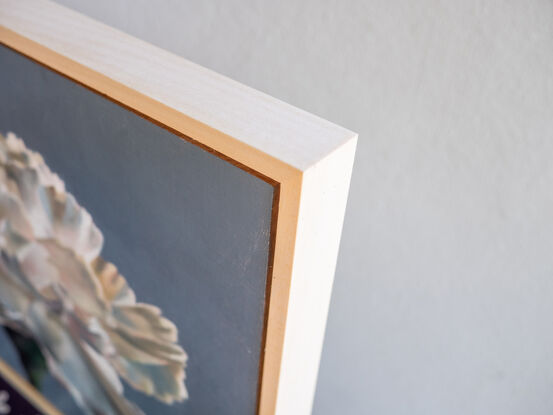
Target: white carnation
[(81, 312)]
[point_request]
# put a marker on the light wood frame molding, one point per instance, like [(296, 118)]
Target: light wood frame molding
[(308, 160)]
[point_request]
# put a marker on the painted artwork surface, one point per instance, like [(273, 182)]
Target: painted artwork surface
[(67, 309), (133, 264)]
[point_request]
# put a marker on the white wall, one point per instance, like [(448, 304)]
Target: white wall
[(443, 301)]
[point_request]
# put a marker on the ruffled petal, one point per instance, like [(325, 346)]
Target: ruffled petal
[(47, 207), (87, 375), (77, 284), (114, 285), (146, 320), (155, 368)]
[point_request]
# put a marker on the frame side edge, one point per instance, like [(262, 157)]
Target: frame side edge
[(324, 195)]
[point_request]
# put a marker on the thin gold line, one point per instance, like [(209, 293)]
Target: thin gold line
[(27, 390), (271, 261)]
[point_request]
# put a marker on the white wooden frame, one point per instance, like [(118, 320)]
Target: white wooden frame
[(307, 159)]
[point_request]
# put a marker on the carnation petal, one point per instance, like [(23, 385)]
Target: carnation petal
[(85, 373)]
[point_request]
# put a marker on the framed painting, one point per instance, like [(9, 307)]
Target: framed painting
[(168, 237)]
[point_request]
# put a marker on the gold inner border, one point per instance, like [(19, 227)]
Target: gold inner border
[(25, 388)]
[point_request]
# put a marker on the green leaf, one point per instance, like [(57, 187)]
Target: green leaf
[(30, 356)]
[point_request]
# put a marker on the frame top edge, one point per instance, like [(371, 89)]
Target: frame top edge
[(288, 134)]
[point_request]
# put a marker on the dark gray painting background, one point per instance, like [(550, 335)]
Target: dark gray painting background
[(189, 231)]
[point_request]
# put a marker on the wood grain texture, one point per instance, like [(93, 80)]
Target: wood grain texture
[(323, 199), (286, 133), (308, 158)]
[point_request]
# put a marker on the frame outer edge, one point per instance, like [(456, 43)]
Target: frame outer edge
[(323, 199)]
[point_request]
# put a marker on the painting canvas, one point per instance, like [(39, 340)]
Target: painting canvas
[(134, 264)]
